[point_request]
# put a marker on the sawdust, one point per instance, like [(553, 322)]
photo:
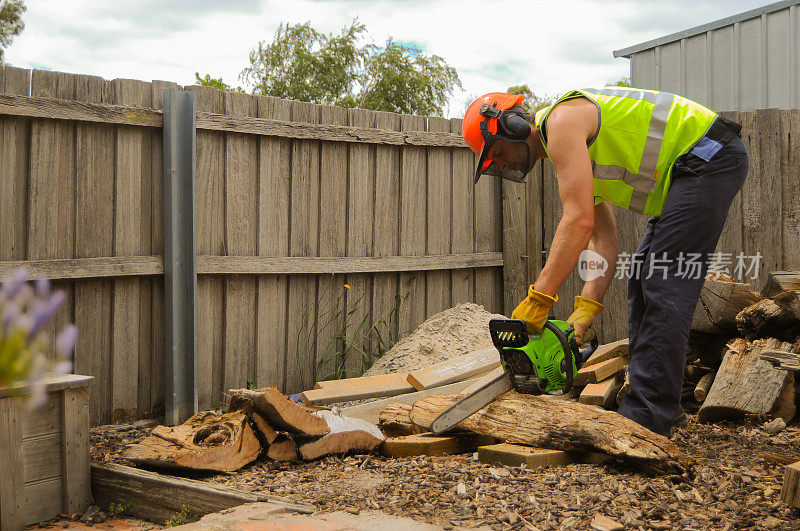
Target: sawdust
[(453, 332)]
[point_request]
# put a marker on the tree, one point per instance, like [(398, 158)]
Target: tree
[(215, 82), (11, 23), (532, 102), (306, 65), (624, 81)]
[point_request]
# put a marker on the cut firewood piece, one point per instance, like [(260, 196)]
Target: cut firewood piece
[(785, 407), (790, 491), (380, 385), (781, 281), (703, 386), (346, 435), (602, 393), (599, 371), (516, 455), (788, 361), (206, 441), (744, 384), (777, 316), (280, 412), (617, 349), (720, 300), (371, 410), (394, 421), (429, 444), (539, 420), (283, 448), (455, 369)]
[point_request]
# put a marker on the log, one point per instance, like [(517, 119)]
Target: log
[(206, 441), (539, 420), (455, 369), (430, 444), (603, 393), (279, 412), (790, 491), (283, 448), (380, 385), (394, 421), (617, 349), (702, 387), (157, 497), (777, 316), (346, 435), (744, 384), (516, 455), (778, 281), (599, 371), (721, 298)]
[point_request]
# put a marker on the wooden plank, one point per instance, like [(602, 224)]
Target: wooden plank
[(790, 490), (131, 172), (762, 199), (210, 215), (158, 368), (14, 152), (517, 455), (791, 189), (41, 457), (12, 496), (462, 218), (46, 420), (94, 235), (304, 240), (75, 447), (52, 383), (602, 393), (92, 112), (371, 410), (488, 238), (515, 265), (43, 500), (333, 235), (241, 235), (413, 220), (80, 268), (439, 198), (605, 352), (534, 230), (429, 444), (386, 243), (157, 497), (455, 369), (599, 371), (360, 215), (730, 240), (336, 391), (273, 240)]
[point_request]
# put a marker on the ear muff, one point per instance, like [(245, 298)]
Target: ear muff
[(515, 126)]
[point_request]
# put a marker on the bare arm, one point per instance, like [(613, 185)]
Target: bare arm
[(604, 242), (568, 130)]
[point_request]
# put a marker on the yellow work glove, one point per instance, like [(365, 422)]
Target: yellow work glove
[(534, 310), (583, 316)]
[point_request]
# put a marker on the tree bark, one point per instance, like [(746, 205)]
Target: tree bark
[(544, 422)]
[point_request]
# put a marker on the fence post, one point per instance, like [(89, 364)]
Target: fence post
[(180, 253)]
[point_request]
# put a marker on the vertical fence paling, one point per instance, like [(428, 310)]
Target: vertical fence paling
[(78, 189)]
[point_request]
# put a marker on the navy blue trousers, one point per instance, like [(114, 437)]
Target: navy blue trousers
[(661, 295)]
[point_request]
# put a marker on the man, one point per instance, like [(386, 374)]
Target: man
[(652, 152)]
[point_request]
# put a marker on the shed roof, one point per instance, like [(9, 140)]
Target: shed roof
[(727, 21)]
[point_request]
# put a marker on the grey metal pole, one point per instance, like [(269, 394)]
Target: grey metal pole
[(180, 250)]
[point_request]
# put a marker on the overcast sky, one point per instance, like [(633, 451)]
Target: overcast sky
[(550, 45)]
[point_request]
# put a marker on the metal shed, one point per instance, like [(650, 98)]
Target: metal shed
[(744, 62)]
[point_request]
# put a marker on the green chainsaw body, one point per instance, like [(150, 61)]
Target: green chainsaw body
[(537, 362)]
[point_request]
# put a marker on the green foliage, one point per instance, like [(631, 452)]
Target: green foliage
[(338, 69), (115, 509), (251, 384), (532, 102), (624, 81), (11, 23), (215, 82), (181, 517)]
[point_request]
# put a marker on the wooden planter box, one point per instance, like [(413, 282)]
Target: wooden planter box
[(44, 454)]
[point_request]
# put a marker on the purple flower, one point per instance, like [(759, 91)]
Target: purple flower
[(42, 286), (10, 319), (12, 285), (43, 313), (66, 339)]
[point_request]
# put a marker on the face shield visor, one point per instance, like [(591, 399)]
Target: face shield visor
[(505, 153)]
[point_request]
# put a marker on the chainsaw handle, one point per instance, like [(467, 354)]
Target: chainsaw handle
[(562, 337)]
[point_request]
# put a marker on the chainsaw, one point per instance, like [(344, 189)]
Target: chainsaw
[(543, 363)]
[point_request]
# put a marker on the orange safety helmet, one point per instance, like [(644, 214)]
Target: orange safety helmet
[(496, 117)]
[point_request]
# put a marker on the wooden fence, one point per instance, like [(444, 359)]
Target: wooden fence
[(764, 218), (299, 207)]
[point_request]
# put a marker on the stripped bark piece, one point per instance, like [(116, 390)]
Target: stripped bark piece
[(280, 412), (346, 435)]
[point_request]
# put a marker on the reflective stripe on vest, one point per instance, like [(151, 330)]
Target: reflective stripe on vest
[(643, 182)]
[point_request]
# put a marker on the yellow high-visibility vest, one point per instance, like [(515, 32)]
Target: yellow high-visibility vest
[(640, 134)]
